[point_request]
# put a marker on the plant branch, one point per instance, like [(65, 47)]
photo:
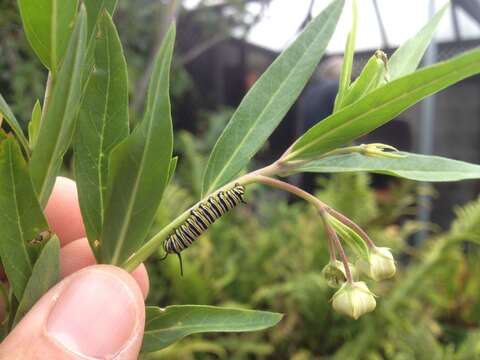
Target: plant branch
[(156, 241), (279, 184), (46, 101), (47, 96)]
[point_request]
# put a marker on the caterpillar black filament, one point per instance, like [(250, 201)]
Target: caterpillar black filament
[(201, 217)]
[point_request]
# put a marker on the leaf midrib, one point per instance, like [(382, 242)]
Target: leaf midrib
[(247, 135), (126, 223), (363, 114), (216, 326), (102, 133), (128, 215)]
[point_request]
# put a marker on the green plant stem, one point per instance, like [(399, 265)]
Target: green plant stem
[(47, 96), (156, 241), (333, 235), (330, 243)]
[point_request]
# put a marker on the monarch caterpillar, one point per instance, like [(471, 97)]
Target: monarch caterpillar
[(201, 217)]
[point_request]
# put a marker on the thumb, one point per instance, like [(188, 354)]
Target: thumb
[(95, 313)]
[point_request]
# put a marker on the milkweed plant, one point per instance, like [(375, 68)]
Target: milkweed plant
[(122, 173)]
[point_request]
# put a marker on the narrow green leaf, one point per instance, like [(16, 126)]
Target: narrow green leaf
[(94, 11), (367, 81), (269, 99), (102, 124), (412, 166), (346, 72), (21, 218), (59, 121), (171, 169), (94, 8), (48, 25), (13, 123), (139, 166), (34, 124), (383, 105), (45, 274), (165, 326), (406, 58)]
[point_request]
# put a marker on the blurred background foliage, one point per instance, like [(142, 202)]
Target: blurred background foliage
[(270, 253), (22, 76)]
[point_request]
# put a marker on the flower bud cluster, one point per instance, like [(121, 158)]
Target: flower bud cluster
[(353, 298)]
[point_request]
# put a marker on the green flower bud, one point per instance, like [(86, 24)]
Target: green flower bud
[(381, 56), (380, 150), (354, 300), (334, 273), (380, 265)]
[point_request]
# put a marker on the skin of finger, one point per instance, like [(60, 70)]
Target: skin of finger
[(63, 211), (77, 255), (64, 217), (30, 341)]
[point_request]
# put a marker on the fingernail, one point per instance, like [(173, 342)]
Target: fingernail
[(94, 316)]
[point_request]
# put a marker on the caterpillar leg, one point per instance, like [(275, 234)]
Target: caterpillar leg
[(164, 257), (181, 263)]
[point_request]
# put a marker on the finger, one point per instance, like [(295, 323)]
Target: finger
[(63, 211), (77, 255), (96, 313)]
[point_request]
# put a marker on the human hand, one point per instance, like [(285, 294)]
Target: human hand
[(94, 312)]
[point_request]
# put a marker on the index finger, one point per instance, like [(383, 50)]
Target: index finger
[(63, 211)]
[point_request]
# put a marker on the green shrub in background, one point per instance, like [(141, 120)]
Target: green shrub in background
[(22, 78), (122, 175)]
